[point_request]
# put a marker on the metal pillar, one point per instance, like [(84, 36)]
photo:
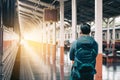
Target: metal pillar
[(61, 32), (48, 41), (44, 41), (74, 18), (54, 42), (98, 37), (62, 39), (40, 25), (113, 42), (46, 31), (1, 41), (108, 33), (41, 40)]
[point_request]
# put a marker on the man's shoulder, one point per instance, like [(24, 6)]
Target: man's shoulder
[(74, 43)]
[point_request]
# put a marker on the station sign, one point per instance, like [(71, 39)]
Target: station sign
[(50, 15)]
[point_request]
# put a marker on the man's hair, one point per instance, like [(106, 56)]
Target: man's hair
[(85, 28)]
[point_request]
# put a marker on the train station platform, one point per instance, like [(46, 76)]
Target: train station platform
[(32, 65), (33, 35)]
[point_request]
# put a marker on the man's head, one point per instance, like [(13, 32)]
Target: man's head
[(85, 28)]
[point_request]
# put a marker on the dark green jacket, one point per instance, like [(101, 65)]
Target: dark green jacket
[(83, 42)]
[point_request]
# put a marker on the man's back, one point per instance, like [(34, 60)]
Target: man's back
[(83, 52), (85, 42)]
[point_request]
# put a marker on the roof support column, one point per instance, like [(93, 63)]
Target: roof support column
[(41, 39), (74, 18), (113, 43), (113, 46), (61, 40), (40, 25), (98, 37), (48, 41), (108, 33), (54, 42), (44, 41), (1, 41), (62, 32), (54, 50)]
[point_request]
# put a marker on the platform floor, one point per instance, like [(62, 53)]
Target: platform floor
[(34, 66)]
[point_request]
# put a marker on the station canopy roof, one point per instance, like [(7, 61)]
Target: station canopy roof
[(85, 9)]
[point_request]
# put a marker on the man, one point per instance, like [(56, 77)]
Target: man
[(83, 50)]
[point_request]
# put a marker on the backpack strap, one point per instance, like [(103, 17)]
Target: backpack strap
[(76, 48), (77, 51)]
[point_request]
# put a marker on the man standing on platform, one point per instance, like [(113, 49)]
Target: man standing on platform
[(83, 52)]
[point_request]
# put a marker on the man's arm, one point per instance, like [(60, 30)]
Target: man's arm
[(72, 51), (96, 46)]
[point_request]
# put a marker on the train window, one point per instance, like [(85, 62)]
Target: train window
[(65, 36), (68, 36), (117, 36), (103, 36), (111, 35)]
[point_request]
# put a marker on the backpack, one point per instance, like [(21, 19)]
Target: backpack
[(84, 63)]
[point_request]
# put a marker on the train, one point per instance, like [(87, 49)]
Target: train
[(10, 48), (9, 37), (68, 37), (117, 37)]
